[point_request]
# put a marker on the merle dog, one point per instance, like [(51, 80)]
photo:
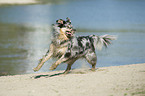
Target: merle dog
[(68, 48)]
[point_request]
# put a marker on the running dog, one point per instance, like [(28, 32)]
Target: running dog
[(68, 48)]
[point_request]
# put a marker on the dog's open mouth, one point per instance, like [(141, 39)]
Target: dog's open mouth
[(68, 34)]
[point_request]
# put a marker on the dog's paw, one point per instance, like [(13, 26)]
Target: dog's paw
[(93, 69), (52, 67), (35, 69)]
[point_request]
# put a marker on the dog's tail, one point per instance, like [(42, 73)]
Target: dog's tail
[(103, 40)]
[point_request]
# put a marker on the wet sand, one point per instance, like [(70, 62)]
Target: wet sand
[(127, 80)]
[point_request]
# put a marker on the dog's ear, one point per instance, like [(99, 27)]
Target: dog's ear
[(68, 20), (56, 21), (59, 21)]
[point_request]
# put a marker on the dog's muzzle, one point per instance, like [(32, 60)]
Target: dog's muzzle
[(69, 34)]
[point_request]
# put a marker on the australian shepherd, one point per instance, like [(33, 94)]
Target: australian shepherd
[(68, 48)]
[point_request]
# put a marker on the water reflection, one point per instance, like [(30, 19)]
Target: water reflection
[(10, 47), (21, 47)]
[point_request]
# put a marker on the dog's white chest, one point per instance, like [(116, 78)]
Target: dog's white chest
[(59, 51)]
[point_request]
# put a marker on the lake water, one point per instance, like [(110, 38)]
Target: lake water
[(25, 32)]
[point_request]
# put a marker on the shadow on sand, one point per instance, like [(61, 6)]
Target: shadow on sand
[(78, 71), (46, 76)]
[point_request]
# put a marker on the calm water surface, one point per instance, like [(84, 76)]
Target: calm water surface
[(25, 32)]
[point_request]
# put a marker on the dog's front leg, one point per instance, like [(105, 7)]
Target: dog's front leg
[(59, 61), (45, 58)]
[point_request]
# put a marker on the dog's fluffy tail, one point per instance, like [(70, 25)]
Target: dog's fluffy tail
[(104, 40)]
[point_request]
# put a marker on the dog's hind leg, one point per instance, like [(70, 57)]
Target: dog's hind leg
[(69, 66), (92, 59), (45, 58)]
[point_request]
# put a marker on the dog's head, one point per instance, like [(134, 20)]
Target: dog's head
[(70, 32), (62, 23), (65, 26), (62, 34)]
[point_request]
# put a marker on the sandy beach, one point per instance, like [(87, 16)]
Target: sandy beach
[(127, 80), (11, 2)]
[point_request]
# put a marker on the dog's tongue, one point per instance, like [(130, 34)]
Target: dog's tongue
[(69, 34)]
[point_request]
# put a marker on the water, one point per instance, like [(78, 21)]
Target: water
[(25, 32)]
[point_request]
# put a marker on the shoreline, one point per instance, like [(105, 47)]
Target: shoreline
[(126, 80), (18, 2)]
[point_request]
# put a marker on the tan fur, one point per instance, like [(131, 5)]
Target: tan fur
[(54, 50), (62, 35)]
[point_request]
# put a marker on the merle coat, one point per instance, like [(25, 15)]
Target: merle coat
[(83, 47)]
